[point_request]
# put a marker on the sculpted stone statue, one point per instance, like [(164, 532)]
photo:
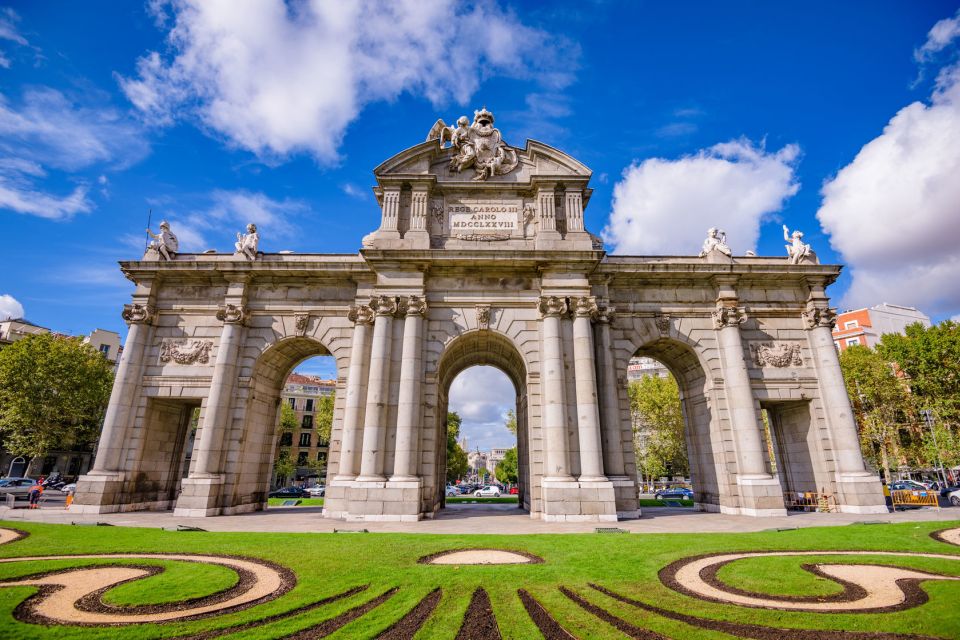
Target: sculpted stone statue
[(798, 251), (479, 145), (165, 243), (246, 244), (716, 241)]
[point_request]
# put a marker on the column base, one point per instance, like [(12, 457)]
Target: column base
[(99, 492), (374, 501), (200, 497), (760, 496), (578, 501), (625, 492)]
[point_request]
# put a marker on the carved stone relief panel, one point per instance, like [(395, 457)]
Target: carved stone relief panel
[(185, 351), (777, 354)]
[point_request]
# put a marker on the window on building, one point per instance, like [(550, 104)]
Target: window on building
[(321, 456), (308, 406), (286, 439), (322, 443), (853, 341), (293, 402), (307, 422), (301, 458), (105, 350), (852, 324), (305, 439)]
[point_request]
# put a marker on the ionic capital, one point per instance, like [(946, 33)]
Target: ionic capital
[(606, 314), (360, 314), (815, 317), (384, 305), (415, 306), (138, 313), (725, 316), (552, 306), (586, 307), (232, 313)]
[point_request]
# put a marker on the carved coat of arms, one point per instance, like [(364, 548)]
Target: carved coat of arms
[(478, 145)]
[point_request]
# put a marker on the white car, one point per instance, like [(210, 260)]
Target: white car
[(487, 492), (954, 496), (317, 492)]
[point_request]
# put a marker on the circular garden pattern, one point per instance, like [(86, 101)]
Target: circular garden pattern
[(76, 591)]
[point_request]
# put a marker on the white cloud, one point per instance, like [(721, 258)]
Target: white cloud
[(8, 31), (10, 307), (939, 38), (482, 396), (353, 191), (48, 130), (278, 78), (663, 206), (894, 211)]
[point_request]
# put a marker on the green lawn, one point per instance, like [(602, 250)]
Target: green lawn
[(330, 564), (303, 502)]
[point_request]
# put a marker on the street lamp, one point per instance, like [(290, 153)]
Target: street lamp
[(928, 418)]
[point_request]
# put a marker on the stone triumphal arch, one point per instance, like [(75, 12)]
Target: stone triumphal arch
[(481, 257)]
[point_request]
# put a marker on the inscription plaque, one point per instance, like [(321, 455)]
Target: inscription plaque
[(491, 219)]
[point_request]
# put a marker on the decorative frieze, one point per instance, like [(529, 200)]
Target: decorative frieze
[(138, 313), (552, 306), (819, 317), (185, 352), (232, 314), (777, 354), (724, 316)]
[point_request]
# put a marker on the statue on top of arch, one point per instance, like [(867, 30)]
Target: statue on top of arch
[(478, 145)]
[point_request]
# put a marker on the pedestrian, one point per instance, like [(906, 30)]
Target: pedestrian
[(34, 495)]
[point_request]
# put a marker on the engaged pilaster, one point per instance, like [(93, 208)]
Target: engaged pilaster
[(378, 388), (588, 411), (613, 458), (362, 317), (409, 411)]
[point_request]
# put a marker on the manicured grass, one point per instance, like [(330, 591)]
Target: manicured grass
[(652, 502), (500, 500), (304, 502), (327, 564)]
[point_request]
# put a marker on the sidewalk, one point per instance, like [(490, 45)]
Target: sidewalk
[(473, 519)]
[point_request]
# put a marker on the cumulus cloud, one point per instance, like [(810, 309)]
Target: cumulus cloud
[(663, 206), (277, 78), (894, 211), (47, 130), (482, 396), (941, 35), (10, 307)]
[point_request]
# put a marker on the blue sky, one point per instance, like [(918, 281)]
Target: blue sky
[(840, 119)]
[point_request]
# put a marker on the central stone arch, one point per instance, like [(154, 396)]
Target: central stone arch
[(493, 349)]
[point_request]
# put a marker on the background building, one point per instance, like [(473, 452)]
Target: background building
[(643, 366), (302, 393), (865, 326), (15, 329)]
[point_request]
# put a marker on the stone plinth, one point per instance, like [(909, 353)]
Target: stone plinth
[(200, 497), (377, 501), (576, 501)]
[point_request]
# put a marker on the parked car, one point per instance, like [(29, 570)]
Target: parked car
[(514, 491), (465, 489), (290, 492), (19, 487), (487, 492), (674, 493), (318, 491), (69, 488), (907, 485), (451, 491), (953, 495)]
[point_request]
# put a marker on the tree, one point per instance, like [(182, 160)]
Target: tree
[(456, 457), (53, 393), (284, 467), (880, 401), (323, 417), (507, 470), (658, 426), (288, 418), (511, 423)]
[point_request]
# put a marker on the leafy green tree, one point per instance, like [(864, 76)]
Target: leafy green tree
[(507, 470), (323, 417), (511, 423), (53, 393), (288, 418), (283, 467), (658, 426), (456, 457)]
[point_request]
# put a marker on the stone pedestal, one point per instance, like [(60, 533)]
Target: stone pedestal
[(860, 494), (380, 501), (578, 501), (98, 492), (199, 497), (759, 497), (626, 500)]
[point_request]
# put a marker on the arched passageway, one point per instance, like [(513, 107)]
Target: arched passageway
[(491, 349)]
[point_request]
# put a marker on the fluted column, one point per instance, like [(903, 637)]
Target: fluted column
[(613, 459), (409, 411), (378, 389), (123, 396), (362, 316), (819, 322), (588, 410), (207, 454), (391, 210), (556, 456), (743, 417)]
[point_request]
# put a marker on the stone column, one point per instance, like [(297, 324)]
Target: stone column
[(588, 412), (409, 410), (378, 389), (613, 458), (123, 397), (207, 455), (751, 464), (362, 316), (555, 456)]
